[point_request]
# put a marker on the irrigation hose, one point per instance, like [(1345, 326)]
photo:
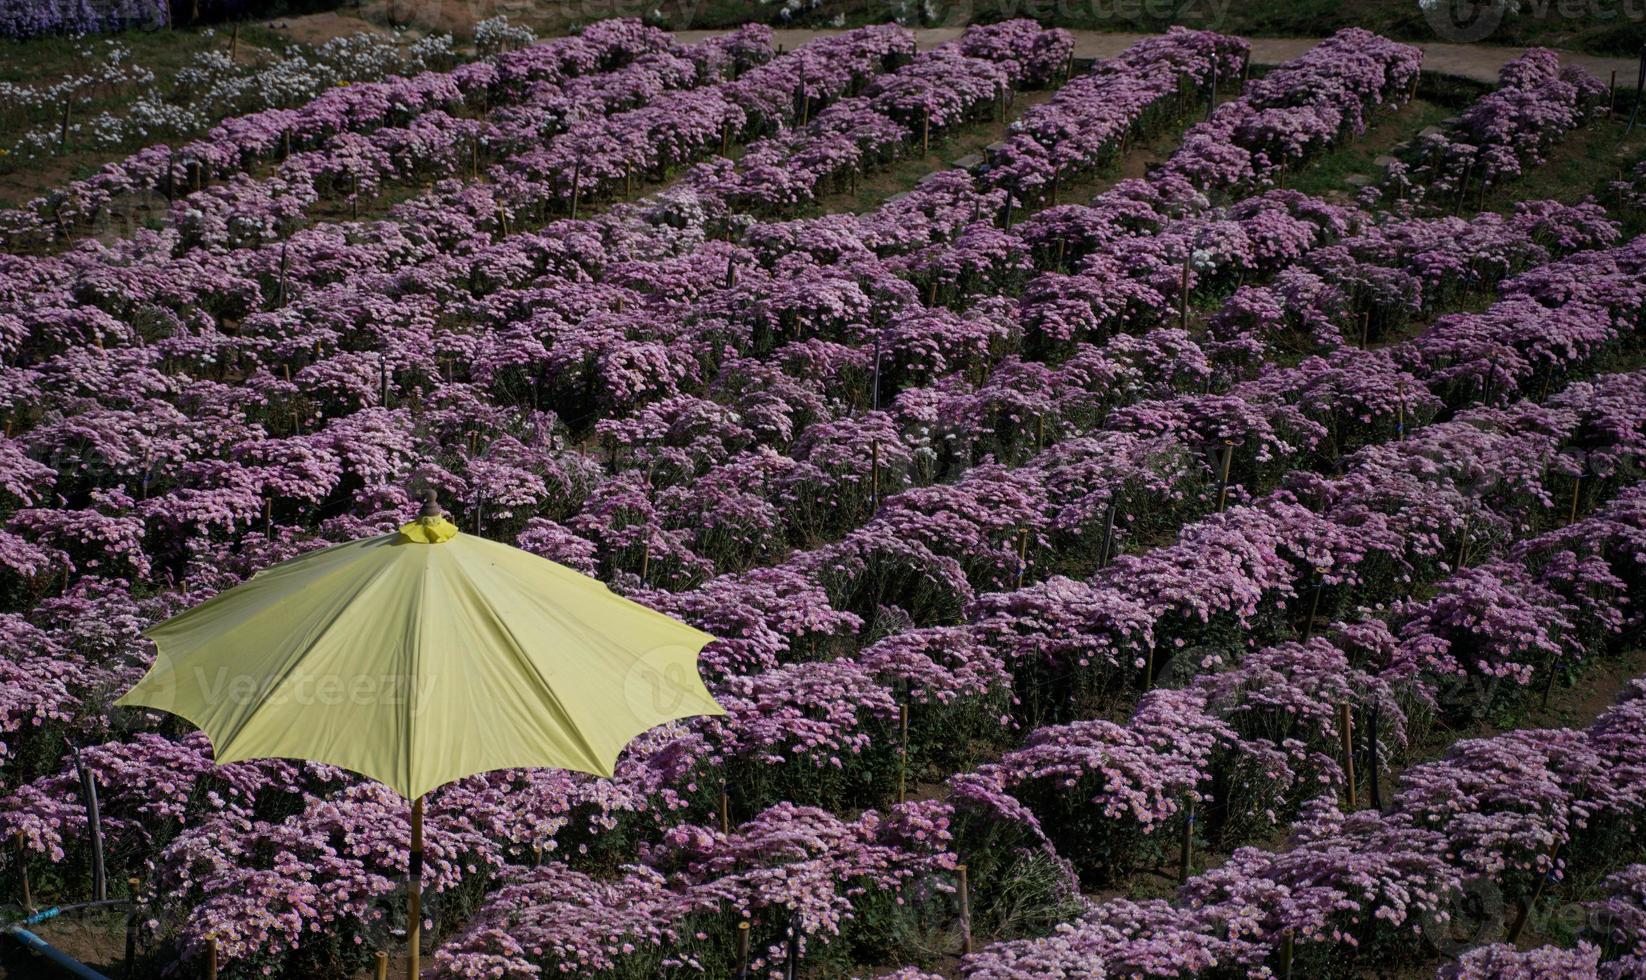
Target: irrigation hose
[(33, 943)]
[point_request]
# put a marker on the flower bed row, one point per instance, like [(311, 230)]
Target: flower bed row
[(1511, 128), (238, 143)]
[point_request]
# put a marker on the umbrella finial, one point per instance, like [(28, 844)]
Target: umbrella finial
[(431, 505)]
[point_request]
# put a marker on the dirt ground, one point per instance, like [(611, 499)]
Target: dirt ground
[(1479, 62)]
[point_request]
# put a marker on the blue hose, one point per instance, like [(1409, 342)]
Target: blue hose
[(52, 954)]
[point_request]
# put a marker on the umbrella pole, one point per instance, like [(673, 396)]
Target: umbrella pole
[(414, 892)]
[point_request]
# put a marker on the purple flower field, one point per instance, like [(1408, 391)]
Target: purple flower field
[(1147, 582)]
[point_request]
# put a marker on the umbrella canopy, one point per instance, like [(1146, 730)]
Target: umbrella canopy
[(424, 656)]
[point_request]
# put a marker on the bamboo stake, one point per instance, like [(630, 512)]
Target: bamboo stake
[(965, 910), (1314, 606), (1108, 536), (743, 949), (1223, 481), (1373, 763), (1537, 893), (791, 958), (1183, 295), (382, 970), (131, 937), (903, 751), (23, 872), (94, 830), (1286, 945), (874, 472), (1185, 853), (1345, 728), (1549, 682), (577, 180), (414, 893), (725, 810)]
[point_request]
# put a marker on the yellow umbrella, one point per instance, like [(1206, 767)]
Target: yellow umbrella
[(420, 657)]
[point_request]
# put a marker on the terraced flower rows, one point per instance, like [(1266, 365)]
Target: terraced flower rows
[(954, 480)]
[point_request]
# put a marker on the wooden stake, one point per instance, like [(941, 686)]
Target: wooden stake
[(1549, 682), (1183, 295), (414, 893), (211, 959), (646, 560), (1185, 851), (1211, 92), (743, 949), (234, 42), (1314, 606), (1365, 331), (964, 890), (1345, 730), (1373, 764), (1223, 481), (94, 831), (577, 180), (382, 970), (1525, 913), (131, 937), (1022, 555), (23, 872), (791, 953), (725, 811), (903, 752), (1463, 547), (1108, 536), (1148, 668), (1577, 490), (1286, 945), (925, 131), (63, 141), (874, 472)]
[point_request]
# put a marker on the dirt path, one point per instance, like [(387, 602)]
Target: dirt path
[(1479, 62)]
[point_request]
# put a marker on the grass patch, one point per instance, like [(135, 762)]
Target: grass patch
[(1328, 174)]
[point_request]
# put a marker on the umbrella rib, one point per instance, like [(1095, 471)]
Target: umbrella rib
[(286, 669), (519, 652)]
